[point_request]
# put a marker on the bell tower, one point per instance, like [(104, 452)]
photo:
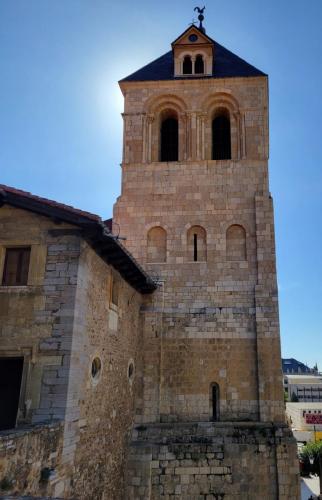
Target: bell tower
[(197, 214)]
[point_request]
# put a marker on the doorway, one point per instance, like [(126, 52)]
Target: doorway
[(214, 402), (10, 384)]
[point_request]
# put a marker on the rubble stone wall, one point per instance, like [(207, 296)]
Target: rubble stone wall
[(28, 459), (212, 461), (106, 405)]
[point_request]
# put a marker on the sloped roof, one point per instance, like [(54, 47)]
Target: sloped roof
[(226, 65), (192, 29), (92, 229)]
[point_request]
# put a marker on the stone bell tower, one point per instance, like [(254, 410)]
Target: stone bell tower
[(197, 214)]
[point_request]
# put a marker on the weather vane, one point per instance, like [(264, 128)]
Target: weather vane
[(201, 17)]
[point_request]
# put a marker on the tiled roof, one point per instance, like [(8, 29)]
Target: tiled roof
[(92, 228), (291, 365), (49, 203), (226, 65)]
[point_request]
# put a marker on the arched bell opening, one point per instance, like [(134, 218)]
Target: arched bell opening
[(199, 65), (187, 65), (169, 136), (221, 135)]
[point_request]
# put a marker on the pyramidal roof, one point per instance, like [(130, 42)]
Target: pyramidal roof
[(226, 65)]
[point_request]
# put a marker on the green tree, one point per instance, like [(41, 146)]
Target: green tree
[(312, 450)]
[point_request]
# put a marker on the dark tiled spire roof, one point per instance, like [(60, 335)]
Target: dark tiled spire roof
[(226, 65)]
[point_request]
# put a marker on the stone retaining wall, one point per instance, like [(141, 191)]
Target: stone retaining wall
[(212, 461), (24, 454)]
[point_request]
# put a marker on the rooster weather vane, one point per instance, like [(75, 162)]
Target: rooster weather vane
[(201, 17)]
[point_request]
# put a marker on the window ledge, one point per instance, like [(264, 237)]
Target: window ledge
[(18, 289), (156, 263), (195, 262)]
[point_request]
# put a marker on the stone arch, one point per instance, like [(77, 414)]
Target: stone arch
[(169, 135), (156, 245), (221, 135), (199, 64), (236, 243), (197, 244), (156, 108), (193, 54), (222, 101), (187, 65), (158, 102)]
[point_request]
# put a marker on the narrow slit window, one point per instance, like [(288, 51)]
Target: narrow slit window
[(214, 402), (195, 247), (114, 290), (197, 244), (16, 266)]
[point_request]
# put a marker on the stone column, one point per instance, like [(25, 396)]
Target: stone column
[(184, 137), (200, 142), (149, 119)]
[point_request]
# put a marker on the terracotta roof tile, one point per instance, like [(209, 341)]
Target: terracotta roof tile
[(50, 203)]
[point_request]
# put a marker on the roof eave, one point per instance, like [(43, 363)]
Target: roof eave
[(95, 233)]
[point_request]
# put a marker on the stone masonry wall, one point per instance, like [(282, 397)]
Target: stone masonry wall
[(59, 323), (214, 320), (106, 405), (28, 459), (36, 320), (212, 461)]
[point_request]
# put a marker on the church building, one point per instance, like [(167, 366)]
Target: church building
[(151, 368)]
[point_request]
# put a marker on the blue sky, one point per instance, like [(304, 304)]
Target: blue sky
[(61, 130)]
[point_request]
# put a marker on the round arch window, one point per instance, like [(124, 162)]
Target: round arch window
[(96, 369)]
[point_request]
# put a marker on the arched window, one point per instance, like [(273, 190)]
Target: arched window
[(221, 142), (214, 402), (236, 243), (169, 137), (157, 245), (187, 65), (197, 244), (199, 65)]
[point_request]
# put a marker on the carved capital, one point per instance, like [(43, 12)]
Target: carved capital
[(150, 118)]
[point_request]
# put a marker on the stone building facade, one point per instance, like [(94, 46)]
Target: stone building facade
[(197, 213), (162, 381), (75, 326)]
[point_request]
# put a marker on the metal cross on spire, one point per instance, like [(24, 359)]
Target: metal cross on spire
[(201, 17)]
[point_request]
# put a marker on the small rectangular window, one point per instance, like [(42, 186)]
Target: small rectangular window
[(16, 266), (114, 291)]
